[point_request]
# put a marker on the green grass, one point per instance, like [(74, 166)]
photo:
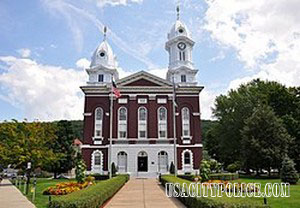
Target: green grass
[(275, 202), (41, 200)]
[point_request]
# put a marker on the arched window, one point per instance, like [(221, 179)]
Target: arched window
[(98, 122), (97, 161), (122, 122), (187, 158), (97, 158), (142, 122), (162, 122), (185, 115)]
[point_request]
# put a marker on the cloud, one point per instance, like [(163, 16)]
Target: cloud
[(24, 52), (83, 63), (265, 35), (207, 99), (43, 92), (102, 3)]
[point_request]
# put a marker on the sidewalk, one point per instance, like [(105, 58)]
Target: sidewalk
[(142, 193), (11, 197)]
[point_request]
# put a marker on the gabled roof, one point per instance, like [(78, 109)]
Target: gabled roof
[(143, 78)]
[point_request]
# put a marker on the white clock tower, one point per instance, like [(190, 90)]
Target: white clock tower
[(180, 46), (103, 65)]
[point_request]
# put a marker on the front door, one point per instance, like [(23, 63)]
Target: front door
[(142, 164)]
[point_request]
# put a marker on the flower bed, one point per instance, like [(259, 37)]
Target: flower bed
[(65, 188), (68, 187)]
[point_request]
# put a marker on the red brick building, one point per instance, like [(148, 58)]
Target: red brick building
[(142, 118)]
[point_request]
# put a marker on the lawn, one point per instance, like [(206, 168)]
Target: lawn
[(275, 202), (41, 200)]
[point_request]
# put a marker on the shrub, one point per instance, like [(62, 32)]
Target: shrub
[(288, 172), (205, 169), (113, 169), (80, 169), (215, 166), (91, 197), (172, 168), (223, 176), (204, 201), (233, 167)]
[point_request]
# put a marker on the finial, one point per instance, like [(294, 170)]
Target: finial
[(104, 32), (177, 9)]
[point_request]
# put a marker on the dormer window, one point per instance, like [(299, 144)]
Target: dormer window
[(100, 78), (183, 78)]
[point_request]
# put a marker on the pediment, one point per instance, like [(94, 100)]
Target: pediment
[(145, 79)]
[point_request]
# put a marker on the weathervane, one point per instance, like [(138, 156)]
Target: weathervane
[(104, 32)]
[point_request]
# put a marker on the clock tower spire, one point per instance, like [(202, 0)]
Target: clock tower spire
[(180, 46)]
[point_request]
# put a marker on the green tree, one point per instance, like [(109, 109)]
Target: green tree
[(264, 139), (288, 172), (23, 142), (80, 168), (223, 140), (62, 147)]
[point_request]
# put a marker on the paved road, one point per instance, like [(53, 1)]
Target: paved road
[(142, 193), (11, 197)]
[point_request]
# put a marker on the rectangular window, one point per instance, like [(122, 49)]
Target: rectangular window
[(180, 56), (161, 101), (142, 100), (122, 100), (183, 56), (183, 78), (100, 78)]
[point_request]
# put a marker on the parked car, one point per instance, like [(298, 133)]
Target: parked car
[(10, 173)]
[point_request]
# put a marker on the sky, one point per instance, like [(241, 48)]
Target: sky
[(45, 46)]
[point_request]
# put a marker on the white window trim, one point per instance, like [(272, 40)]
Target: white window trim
[(187, 167), (95, 123), (166, 122), (122, 122), (93, 166), (142, 122)]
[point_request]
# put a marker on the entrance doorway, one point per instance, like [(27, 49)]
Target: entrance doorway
[(142, 162), (162, 162)]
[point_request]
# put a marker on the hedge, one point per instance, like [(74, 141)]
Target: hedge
[(200, 202), (224, 176), (91, 197), (99, 177)]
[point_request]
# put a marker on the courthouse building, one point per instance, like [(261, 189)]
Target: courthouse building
[(142, 117)]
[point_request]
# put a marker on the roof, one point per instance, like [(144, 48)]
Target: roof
[(108, 59)]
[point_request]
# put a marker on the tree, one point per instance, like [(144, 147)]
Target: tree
[(223, 140), (80, 168), (62, 147), (264, 139), (23, 142), (288, 173)]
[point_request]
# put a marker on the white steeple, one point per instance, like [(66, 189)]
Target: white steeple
[(180, 47), (103, 64)]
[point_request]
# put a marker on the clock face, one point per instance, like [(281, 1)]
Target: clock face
[(101, 54), (181, 45)]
